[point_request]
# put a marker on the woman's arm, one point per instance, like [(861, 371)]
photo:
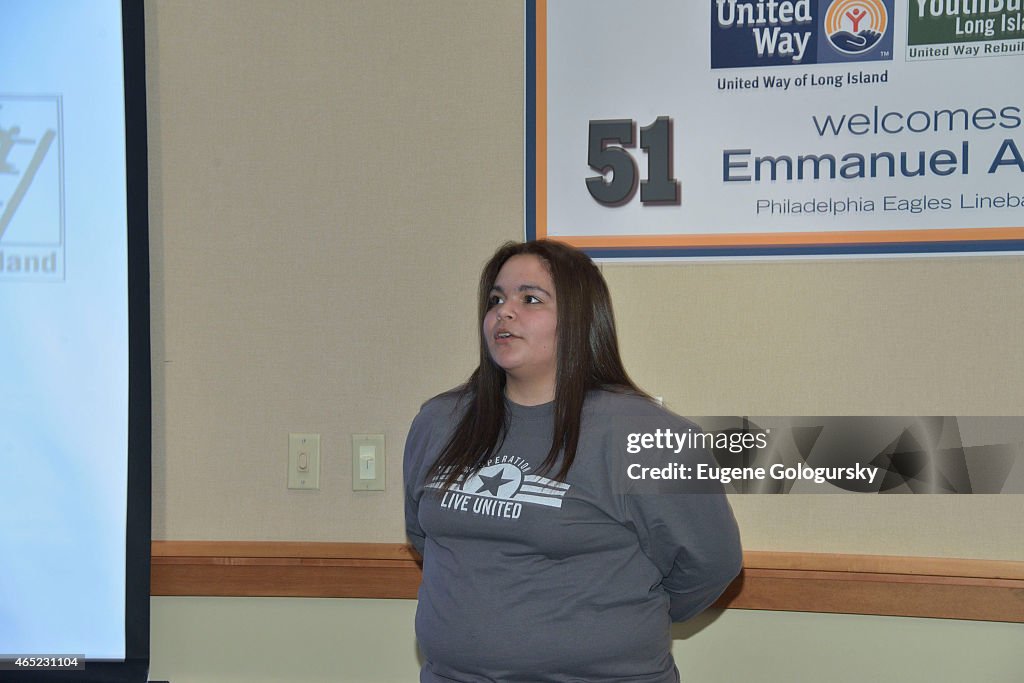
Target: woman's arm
[(412, 469), (693, 540)]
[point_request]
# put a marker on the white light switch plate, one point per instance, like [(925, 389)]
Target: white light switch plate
[(304, 461), (368, 462)]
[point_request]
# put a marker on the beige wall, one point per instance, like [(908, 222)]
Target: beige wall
[(279, 640), (327, 178)]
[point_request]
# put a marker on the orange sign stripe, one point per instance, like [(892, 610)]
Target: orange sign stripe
[(789, 238)]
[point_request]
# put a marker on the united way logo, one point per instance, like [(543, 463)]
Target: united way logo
[(752, 33), (31, 189), (855, 27)]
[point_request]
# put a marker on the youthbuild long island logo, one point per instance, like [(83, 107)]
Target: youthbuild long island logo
[(958, 29), (746, 33), (500, 489), (31, 197)]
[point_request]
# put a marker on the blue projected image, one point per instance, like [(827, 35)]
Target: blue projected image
[(64, 345)]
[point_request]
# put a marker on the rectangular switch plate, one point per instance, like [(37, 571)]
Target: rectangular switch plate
[(368, 462), (304, 461)]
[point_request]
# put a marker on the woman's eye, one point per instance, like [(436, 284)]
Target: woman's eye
[(493, 301), (531, 299)]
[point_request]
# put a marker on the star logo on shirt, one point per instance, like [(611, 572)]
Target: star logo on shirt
[(492, 484), (501, 481)]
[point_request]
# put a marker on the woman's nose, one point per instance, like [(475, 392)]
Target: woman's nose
[(505, 311)]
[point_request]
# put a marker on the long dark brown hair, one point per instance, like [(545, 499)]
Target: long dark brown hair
[(587, 358)]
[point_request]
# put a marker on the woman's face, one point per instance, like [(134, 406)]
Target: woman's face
[(521, 324)]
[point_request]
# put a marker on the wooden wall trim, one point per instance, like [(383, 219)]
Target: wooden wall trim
[(986, 590)]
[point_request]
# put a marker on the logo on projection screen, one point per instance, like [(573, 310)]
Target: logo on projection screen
[(31, 189)]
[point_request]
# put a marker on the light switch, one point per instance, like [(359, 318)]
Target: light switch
[(304, 461), (368, 462)]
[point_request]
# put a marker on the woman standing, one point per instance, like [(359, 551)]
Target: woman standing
[(540, 562)]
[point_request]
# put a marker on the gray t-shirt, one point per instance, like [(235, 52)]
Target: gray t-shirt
[(527, 579)]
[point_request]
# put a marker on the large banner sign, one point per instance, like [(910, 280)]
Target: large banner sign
[(722, 128)]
